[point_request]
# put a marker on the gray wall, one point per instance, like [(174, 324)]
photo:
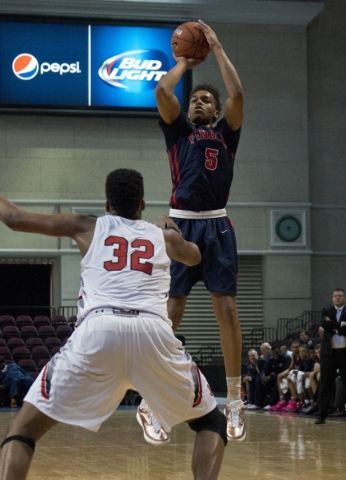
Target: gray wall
[(290, 159), (327, 149)]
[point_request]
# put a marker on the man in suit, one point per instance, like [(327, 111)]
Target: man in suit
[(333, 351), (252, 381)]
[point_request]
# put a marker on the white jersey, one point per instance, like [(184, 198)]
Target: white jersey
[(126, 267)]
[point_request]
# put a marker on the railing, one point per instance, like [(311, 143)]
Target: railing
[(306, 320), (254, 339), (67, 311), (209, 354), (32, 311), (270, 334)]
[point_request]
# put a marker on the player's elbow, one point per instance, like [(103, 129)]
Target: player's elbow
[(162, 92), (12, 220)]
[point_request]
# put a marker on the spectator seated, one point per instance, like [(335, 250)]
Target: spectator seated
[(252, 381), (17, 380)]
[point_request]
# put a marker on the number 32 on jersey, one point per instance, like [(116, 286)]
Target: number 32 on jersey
[(144, 251)]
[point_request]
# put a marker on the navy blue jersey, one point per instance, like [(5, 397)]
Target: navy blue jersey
[(306, 365), (201, 161)]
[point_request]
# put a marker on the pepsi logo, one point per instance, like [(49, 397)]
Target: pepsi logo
[(25, 66), (135, 71)]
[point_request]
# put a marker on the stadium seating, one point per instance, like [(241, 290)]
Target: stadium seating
[(6, 353), (28, 365), (28, 331), (41, 363), (10, 331), (39, 352), (46, 331), (14, 342), (6, 320), (40, 320), (22, 320), (63, 332), (72, 320), (51, 342), (54, 350), (59, 320), (34, 342), (20, 353)]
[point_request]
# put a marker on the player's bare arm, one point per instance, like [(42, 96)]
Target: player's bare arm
[(76, 226), (176, 247), (233, 112), (167, 103)]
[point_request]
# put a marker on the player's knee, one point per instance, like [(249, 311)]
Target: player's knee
[(214, 421)]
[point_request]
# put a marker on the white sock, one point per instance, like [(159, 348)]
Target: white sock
[(233, 388)]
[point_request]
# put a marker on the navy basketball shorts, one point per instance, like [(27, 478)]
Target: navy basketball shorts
[(218, 269)]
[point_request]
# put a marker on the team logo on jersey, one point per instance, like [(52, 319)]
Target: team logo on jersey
[(136, 70), (25, 66)]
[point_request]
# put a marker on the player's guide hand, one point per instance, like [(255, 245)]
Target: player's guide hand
[(169, 223)]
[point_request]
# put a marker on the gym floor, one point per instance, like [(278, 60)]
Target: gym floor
[(278, 446)]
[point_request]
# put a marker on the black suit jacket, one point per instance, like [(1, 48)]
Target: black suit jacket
[(329, 326)]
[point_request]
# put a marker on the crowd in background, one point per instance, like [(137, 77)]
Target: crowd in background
[(282, 379)]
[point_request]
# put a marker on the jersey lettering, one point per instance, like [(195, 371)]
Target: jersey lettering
[(138, 255), (121, 255), (206, 135), (211, 158)]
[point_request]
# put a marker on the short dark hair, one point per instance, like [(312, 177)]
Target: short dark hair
[(211, 89), (124, 191), (339, 290)]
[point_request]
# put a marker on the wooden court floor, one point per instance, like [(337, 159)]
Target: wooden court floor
[(278, 446)]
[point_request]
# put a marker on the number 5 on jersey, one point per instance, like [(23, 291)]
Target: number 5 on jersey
[(211, 158)]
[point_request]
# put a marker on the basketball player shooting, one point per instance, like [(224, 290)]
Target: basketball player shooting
[(201, 149)]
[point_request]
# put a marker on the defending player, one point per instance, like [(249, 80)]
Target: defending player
[(201, 158), (124, 339)]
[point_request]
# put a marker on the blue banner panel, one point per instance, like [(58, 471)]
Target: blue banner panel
[(126, 64), (43, 64), (79, 66)]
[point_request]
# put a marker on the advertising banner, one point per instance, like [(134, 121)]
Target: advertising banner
[(84, 66)]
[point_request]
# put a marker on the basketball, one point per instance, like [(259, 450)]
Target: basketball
[(189, 41)]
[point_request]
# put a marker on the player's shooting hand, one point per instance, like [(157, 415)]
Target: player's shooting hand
[(210, 35), (190, 62)]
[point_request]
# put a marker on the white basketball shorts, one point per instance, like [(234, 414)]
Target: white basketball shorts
[(109, 354)]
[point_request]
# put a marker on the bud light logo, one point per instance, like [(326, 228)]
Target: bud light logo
[(136, 70), (25, 66)]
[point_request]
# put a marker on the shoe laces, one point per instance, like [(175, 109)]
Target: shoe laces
[(235, 411), (155, 423)]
